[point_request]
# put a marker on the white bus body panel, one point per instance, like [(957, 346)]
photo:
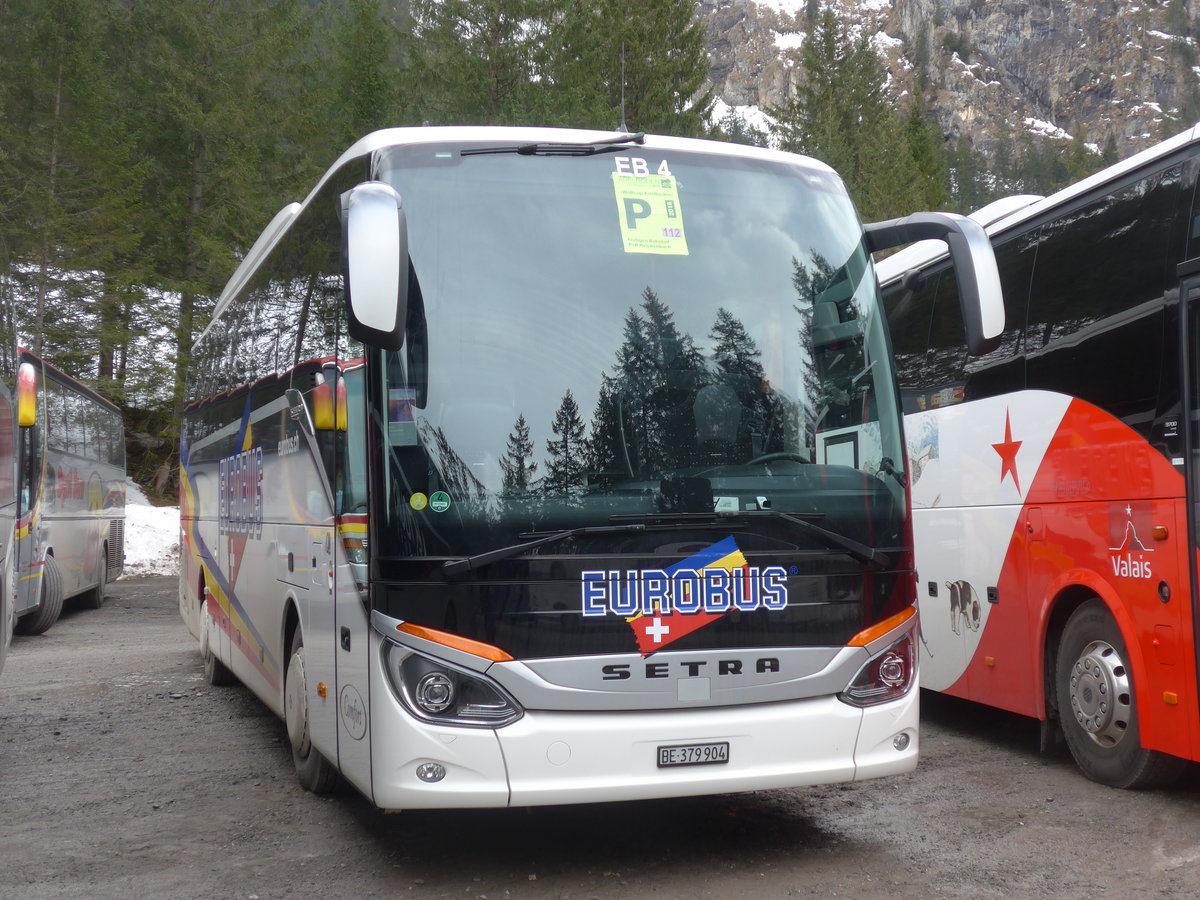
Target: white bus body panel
[(964, 523)]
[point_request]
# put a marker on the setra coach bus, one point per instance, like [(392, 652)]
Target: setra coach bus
[(1056, 480), (502, 480), (70, 532)]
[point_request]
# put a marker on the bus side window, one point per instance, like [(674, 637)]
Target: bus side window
[(1097, 298), (909, 311), (1003, 370)]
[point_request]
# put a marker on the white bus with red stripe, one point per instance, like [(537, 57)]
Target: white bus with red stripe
[(1054, 480), (501, 483)]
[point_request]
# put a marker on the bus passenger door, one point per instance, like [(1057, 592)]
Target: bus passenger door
[(348, 574)]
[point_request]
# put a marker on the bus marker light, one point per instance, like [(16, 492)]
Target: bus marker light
[(877, 631), (1159, 532), (475, 648), (431, 772), (989, 661), (322, 690), (1170, 698)]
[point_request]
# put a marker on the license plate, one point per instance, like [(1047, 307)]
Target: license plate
[(714, 754)]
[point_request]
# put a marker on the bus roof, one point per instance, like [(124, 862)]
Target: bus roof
[(1011, 212)]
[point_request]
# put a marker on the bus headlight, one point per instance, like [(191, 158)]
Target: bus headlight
[(434, 692), (886, 676), (438, 692)]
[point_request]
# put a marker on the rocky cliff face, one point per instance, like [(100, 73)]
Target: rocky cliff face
[(991, 68)]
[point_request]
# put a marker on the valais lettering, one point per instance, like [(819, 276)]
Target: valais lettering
[(1127, 565)]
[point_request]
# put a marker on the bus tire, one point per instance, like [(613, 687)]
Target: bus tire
[(312, 769), (94, 598), (1098, 707), (50, 607)]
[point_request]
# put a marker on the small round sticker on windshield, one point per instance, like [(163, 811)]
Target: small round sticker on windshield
[(418, 501), (440, 501)]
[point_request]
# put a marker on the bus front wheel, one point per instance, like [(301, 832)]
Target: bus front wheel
[(1098, 708), (312, 769)]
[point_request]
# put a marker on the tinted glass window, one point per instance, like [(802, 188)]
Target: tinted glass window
[(909, 312), (1096, 307)]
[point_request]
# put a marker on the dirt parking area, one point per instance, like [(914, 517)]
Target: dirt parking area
[(122, 774)]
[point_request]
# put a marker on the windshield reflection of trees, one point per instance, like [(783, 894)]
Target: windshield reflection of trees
[(667, 412)]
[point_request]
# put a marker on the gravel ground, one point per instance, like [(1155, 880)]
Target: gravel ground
[(124, 775)]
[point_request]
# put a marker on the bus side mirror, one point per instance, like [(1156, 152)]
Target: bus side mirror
[(26, 395), (979, 291), (375, 264)]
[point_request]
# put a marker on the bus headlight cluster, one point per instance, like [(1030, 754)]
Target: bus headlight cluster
[(436, 691), (886, 676)]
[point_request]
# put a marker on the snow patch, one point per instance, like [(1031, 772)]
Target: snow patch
[(1046, 129), (791, 40), (151, 536)]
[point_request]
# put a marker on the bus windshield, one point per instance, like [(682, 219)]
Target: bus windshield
[(577, 357)]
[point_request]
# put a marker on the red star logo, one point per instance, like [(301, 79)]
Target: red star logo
[(1008, 453)]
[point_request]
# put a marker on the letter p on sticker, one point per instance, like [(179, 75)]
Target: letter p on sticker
[(635, 209)]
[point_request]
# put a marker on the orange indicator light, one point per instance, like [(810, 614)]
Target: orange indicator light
[(466, 645), (867, 635)]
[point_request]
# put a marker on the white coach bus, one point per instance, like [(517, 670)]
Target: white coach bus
[(70, 533), (507, 475)]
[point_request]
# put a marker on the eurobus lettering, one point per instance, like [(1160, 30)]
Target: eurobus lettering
[(1055, 480), (240, 492), (500, 473)]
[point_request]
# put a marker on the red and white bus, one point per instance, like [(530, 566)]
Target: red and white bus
[(70, 533), (1055, 481), (500, 479)]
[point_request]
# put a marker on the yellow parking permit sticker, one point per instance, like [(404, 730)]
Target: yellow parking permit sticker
[(650, 215)]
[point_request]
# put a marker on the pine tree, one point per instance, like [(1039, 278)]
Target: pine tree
[(657, 374), (473, 61), (366, 77), (517, 462), (840, 115), (68, 178), (734, 127), (738, 364), (636, 64), (222, 88), (566, 463), (609, 443)]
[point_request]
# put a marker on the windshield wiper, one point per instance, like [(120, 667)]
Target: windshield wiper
[(802, 521), (591, 148), (466, 564)]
